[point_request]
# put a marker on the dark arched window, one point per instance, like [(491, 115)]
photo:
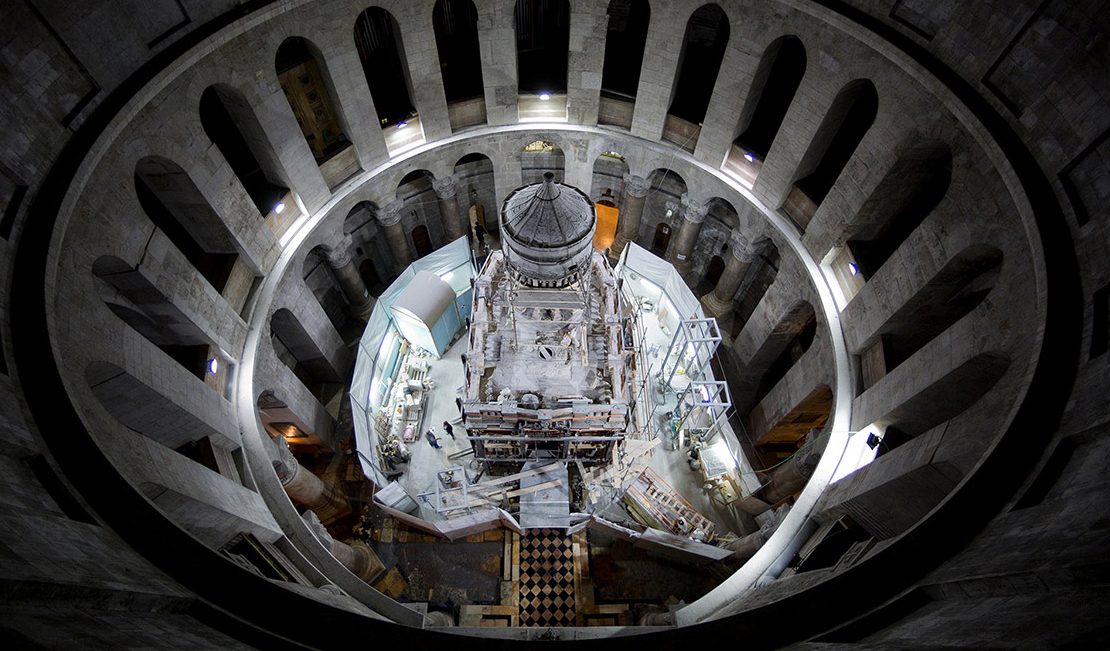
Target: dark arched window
[(456, 28), (378, 40), (542, 44), (174, 204), (308, 88), (703, 48), (625, 39), (776, 80), (231, 125), (849, 118)]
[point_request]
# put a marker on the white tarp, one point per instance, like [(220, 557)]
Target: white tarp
[(379, 344), (646, 266)]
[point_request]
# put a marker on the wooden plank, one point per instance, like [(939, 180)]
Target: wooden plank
[(516, 557), (508, 478)]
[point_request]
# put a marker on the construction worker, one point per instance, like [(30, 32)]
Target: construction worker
[(450, 430), (431, 436)]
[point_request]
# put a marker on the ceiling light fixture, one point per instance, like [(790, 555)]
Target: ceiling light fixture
[(280, 206), (545, 96)]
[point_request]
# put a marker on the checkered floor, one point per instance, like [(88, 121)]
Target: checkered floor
[(546, 578)]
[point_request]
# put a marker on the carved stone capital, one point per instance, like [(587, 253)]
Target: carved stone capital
[(339, 254), (636, 186), (445, 187), (693, 210), (285, 464), (741, 247), (391, 213)]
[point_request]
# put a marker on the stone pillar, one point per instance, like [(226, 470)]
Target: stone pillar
[(718, 303), (693, 214), (357, 557), (350, 282), (453, 225), (632, 209), (306, 488), (791, 477), (390, 219)]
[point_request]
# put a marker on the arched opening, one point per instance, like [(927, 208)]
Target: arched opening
[(231, 125), (421, 240), (607, 184), (625, 38), (174, 204), (380, 48), (455, 23), (148, 411), (538, 158), (296, 349), (662, 239), (908, 194), (360, 218), (422, 208), (849, 118), (370, 277), (791, 338), (320, 280), (952, 293), (474, 173), (776, 81), (760, 274), (703, 49), (141, 305), (713, 271), (661, 205), (777, 441), (542, 44), (712, 243), (308, 88)]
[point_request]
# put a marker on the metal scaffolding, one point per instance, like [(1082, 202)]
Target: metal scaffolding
[(691, 349)]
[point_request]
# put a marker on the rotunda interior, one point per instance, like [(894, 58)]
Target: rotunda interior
[(483, 322)]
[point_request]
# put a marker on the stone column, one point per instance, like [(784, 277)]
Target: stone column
[(306, 488), (693, 214), (718, 303), (350, 282), (791, 477), (446, 188), (631, 210), (390, 219), (357, 557)]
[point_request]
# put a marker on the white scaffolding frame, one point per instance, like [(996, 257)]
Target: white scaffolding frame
[(693, 344)]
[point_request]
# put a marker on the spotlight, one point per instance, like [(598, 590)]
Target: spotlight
[(545, 96), (402, 124), (748, 157), (873, 441), (280, 206), (213, 365), (854, 268)]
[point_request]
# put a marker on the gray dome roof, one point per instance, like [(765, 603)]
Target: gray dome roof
[(548, 214)]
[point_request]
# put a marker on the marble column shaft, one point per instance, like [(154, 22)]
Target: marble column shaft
[(446, 190), (693, 214), (390, 219), (350, 282), (719, 301), (631, 210), (306, 488)]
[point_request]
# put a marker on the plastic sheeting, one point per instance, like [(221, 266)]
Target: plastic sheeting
[(378, 347), (637, 264), (426, 313)]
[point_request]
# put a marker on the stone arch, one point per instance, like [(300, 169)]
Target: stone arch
[(542, 29), (299, 352), (703, 49), (844, 126), (539, 157), (909, 192), (950, 294), (455, 23), (137, 302), (303, 75), (381, 50), (475, 176), (231, 124), (422, 210), (776, 81), (662, 205), (319, 277), (176, 206), (791, 337), (625, 39)]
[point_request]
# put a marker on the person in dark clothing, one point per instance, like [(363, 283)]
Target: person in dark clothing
[(450, 430), (431, 436), (458, 403), (479, 233)]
